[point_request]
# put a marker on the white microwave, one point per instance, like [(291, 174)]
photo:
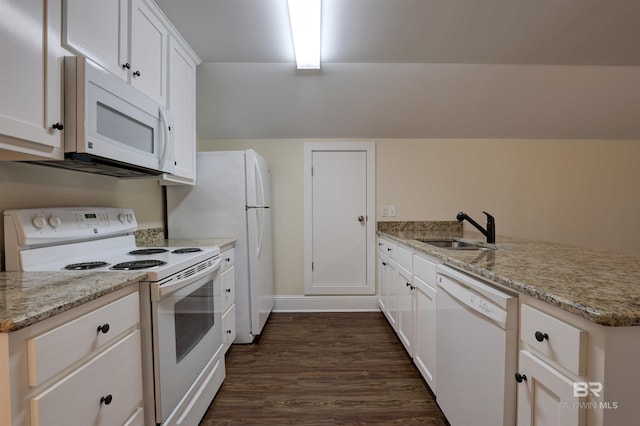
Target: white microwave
[(112, 128)]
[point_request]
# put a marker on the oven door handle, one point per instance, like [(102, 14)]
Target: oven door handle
[(160, 291)]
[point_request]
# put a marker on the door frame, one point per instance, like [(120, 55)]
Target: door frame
[(370, 149)]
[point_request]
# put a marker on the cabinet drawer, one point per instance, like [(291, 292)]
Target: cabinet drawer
[(554, 340), (60, 347), (228, 259), (404, 258), (387, 247), (425, 269), (229, 327), (77, 398)]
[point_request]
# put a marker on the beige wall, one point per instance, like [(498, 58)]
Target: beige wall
[(30, 186), (576, 192)]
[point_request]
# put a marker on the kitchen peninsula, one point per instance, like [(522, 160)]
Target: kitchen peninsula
[(579, 312)]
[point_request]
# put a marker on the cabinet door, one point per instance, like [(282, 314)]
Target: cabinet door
[(182, 102), (31, 79), (149, 39), (382, 283), (546, 398), (229, 327), (105, 391), (392, 294), (405, 309), (227, 281), (425, 333), (99, 30)]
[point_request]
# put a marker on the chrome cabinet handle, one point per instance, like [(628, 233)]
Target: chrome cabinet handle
[(360, 219)]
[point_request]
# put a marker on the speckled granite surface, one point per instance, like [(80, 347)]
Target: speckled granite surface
[(29, 297), (601, 286), (154, 237), (149, 237)]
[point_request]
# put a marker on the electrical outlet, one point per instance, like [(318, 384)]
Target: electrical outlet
[(384, 211), (391, 211)]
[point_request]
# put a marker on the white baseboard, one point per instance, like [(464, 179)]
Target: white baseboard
[(325, 303)]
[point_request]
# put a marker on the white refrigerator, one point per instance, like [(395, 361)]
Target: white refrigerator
[(231, 199)]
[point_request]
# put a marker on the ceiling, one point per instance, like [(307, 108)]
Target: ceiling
[(560, 32), (540, 69)]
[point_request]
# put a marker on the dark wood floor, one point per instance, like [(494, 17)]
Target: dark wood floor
[(323, 369)]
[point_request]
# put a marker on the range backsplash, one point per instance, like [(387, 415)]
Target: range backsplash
[(445, 227)]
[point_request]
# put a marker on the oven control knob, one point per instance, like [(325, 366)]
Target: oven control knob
[(39, 222), (122, 217), (130, 217), (54, 221)]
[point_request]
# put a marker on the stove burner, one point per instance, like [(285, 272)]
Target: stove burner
[(138, 264), (85, 265), (187, 250), (148, 251)]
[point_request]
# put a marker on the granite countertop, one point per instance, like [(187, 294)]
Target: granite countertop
[(601, 286), (29, 297)]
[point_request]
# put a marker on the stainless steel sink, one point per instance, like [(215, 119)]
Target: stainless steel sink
[(452, 244)]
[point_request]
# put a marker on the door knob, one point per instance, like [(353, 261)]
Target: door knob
[(360, 219)]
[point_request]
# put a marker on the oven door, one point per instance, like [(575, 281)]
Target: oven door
[(187, 332)]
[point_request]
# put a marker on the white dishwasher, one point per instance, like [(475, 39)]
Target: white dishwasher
[(476, 350)]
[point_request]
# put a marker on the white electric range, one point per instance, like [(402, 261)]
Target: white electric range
[(180, 303)]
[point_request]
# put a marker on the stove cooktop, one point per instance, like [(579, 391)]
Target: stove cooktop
[(158, 261), (89, 239)]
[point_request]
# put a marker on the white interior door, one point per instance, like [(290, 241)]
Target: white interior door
[(339, 219)]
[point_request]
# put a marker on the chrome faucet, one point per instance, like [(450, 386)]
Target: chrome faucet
[(490, 232)]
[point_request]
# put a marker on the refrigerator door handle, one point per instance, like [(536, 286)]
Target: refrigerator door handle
[(259, 185), (260, 227)]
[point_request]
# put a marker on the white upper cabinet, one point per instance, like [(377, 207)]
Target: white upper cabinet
[(182, 102), (31, 113), (98, 30), (149, 39), (126, 37)]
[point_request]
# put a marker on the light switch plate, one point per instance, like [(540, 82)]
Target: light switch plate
[(391, 211)]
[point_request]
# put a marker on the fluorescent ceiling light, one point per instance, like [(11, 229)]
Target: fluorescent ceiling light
[(304, 16)]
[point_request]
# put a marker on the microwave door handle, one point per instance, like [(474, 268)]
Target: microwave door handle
[(165, 137)]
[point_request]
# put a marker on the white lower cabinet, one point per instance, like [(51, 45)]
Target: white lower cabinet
[(404, 283), (228, 287), (407, 297), (424, 353), (546, 396), (104, 391), (80, 367), (577, 372), (389, 282)]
